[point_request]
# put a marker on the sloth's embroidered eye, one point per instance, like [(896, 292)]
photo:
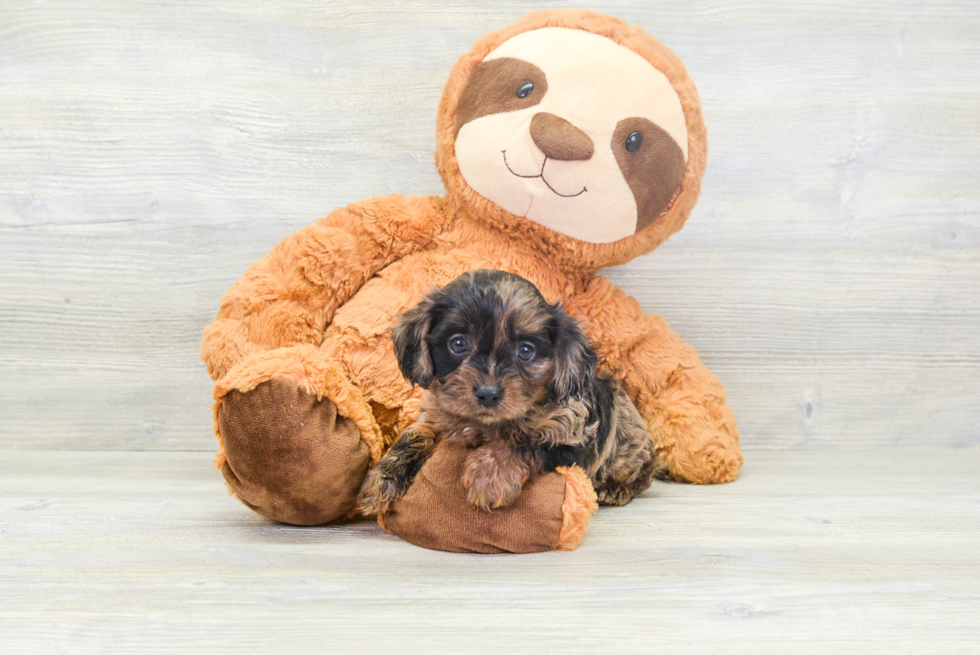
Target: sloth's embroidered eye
[(634, 141), (525, 352), (525, 88), (458, 344)]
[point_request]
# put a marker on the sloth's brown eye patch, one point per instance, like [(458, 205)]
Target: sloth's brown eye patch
[(498, 86), (654, 172)]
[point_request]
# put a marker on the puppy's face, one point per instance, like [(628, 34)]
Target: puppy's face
[(490, 347)]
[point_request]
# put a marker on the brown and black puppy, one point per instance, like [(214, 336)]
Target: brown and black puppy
[(513, 378)]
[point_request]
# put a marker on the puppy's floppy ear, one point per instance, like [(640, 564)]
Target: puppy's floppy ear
[(575, 361), (411, 328)]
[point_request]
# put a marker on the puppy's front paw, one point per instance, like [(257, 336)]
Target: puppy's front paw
[(393, 474), (490, 483), (614, 494), (382, 486), (491, 494)]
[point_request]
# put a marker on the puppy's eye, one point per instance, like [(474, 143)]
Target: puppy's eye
[(525, 352), (458, 344), (634, 141), (525, 88)]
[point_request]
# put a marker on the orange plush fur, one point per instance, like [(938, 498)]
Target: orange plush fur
[(318, 308)]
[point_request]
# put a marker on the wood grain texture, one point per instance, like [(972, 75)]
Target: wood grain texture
[(809, 552), (830, 274)]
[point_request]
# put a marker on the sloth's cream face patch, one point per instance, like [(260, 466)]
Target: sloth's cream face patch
[(572, 131)]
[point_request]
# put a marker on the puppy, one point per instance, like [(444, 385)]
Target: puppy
[(514, 379)]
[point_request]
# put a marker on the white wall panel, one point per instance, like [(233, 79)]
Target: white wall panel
[(830, 274)]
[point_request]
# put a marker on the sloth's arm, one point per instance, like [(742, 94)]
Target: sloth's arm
[(289, 296), (681, 401)]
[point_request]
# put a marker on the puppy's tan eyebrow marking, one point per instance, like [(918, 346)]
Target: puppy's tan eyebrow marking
[(526, 321), (522, 315)]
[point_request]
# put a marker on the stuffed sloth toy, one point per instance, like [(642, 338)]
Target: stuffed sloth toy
[(567, 142)]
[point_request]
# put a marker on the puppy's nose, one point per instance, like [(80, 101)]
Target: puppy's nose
[(488, 395), (559, 139)]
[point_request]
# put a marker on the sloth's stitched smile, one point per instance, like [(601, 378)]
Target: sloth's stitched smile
[(541, 176)]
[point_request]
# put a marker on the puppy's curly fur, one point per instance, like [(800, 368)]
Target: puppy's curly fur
[(514, 379)]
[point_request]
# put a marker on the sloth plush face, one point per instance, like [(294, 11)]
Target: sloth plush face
[(572, 131)]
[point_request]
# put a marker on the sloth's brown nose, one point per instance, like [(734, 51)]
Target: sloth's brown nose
[(559, 139)]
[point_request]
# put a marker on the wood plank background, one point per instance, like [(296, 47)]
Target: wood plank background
[(809, 552), (149, 151)]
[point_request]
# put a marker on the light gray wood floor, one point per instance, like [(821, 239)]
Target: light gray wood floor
[(808, 552)]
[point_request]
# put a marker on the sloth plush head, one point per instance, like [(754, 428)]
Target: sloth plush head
[(578, 128)]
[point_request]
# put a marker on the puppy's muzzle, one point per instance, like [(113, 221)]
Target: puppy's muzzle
[(488, 395)]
